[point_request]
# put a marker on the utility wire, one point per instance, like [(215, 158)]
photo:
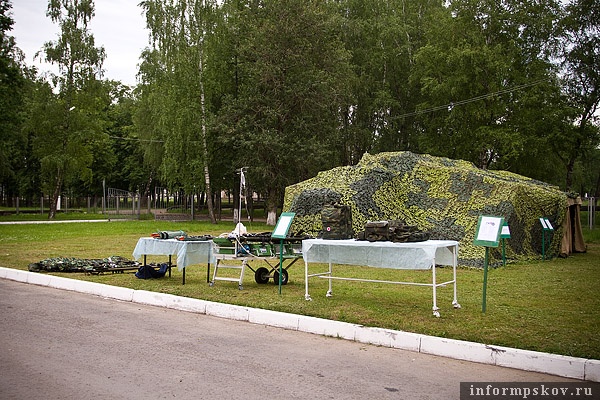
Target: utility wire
[(471, 100), (136, 139)]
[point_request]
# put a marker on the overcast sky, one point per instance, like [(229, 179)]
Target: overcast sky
[(118, 26)]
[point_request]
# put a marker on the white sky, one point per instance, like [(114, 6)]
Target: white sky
[(119, 26)]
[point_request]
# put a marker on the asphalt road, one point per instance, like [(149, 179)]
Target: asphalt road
[(57, 344)]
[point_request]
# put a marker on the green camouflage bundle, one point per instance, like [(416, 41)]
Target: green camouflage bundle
[(392, 231), (93, 266), (337, 222)]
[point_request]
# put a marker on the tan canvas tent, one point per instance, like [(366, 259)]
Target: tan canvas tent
[(572, 241)]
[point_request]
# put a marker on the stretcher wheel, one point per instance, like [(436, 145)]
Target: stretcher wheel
[(261, 275), (284, 277)]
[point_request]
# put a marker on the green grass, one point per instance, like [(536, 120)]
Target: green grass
[(548, 306)]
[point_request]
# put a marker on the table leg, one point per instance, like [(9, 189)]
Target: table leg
[(329, 292), (306, 295), (454, 262), (208, 273), (436, 309), (183, 278)]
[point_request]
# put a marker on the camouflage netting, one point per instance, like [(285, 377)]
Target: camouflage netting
[(441, 196)]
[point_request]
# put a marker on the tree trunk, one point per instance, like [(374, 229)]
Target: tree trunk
[(271, 207), (272, 216), (209, 197), (55, 194), (569, 180)]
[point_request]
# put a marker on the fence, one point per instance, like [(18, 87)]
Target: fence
[(591, 211), (164, 204), (120, 201)]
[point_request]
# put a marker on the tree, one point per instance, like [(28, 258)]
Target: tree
[(67, 125), (486, 65), (384, 37), (294, 83), (174, 89), (125, 168), (581, 84), (13, 84)]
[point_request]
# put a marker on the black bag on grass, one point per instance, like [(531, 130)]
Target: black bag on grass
[(148, 272)]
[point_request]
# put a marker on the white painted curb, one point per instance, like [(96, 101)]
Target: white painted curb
[(326, 327), (592, 370), (274, 318), (564, 366)]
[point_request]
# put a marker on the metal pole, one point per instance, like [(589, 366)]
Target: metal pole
[(242, 178), (591, 212), (543, 244), (280, 263), (485, 273), (103, 196)]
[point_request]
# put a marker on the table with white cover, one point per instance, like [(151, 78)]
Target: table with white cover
[(418, 255), (188, 252)]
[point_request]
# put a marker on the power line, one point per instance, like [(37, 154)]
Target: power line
[(453, 104), (136, 139), (147, 140)]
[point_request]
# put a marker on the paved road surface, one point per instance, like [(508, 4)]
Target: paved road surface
[(56, 344)]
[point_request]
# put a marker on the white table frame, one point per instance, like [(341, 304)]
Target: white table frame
[(429, 250), (188, 252)]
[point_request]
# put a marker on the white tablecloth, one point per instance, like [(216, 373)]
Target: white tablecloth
[(188, 252), (418, 255)]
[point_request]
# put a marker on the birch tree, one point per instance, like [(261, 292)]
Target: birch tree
[(175, 91), (69, 123)]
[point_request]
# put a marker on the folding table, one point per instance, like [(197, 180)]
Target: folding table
[(418, 255), (188, 252)]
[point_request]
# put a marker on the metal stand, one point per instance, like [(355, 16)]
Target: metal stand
[(219, 265)]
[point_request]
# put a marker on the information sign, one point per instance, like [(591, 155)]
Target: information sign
[(280, 232), (488, 235), (283, 225), (488, 231)]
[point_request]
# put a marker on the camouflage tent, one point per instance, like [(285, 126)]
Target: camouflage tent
[(438, 195)]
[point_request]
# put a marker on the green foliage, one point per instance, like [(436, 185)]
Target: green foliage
[(294, 79), (292, 88), (488, 62), (442, 196), (65, 123), (12, 93), (383, 37)]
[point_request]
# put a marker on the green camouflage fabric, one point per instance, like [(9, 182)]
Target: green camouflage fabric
[(337, 222), (392, 231), (92, 266), (440, 196)]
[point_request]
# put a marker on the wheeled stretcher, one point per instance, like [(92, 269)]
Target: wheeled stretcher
[(239, 253)]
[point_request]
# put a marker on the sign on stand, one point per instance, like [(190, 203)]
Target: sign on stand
[(487, 235), (280, 232), (546, 227)]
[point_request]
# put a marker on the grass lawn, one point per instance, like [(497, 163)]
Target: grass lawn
[(548, 306)]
